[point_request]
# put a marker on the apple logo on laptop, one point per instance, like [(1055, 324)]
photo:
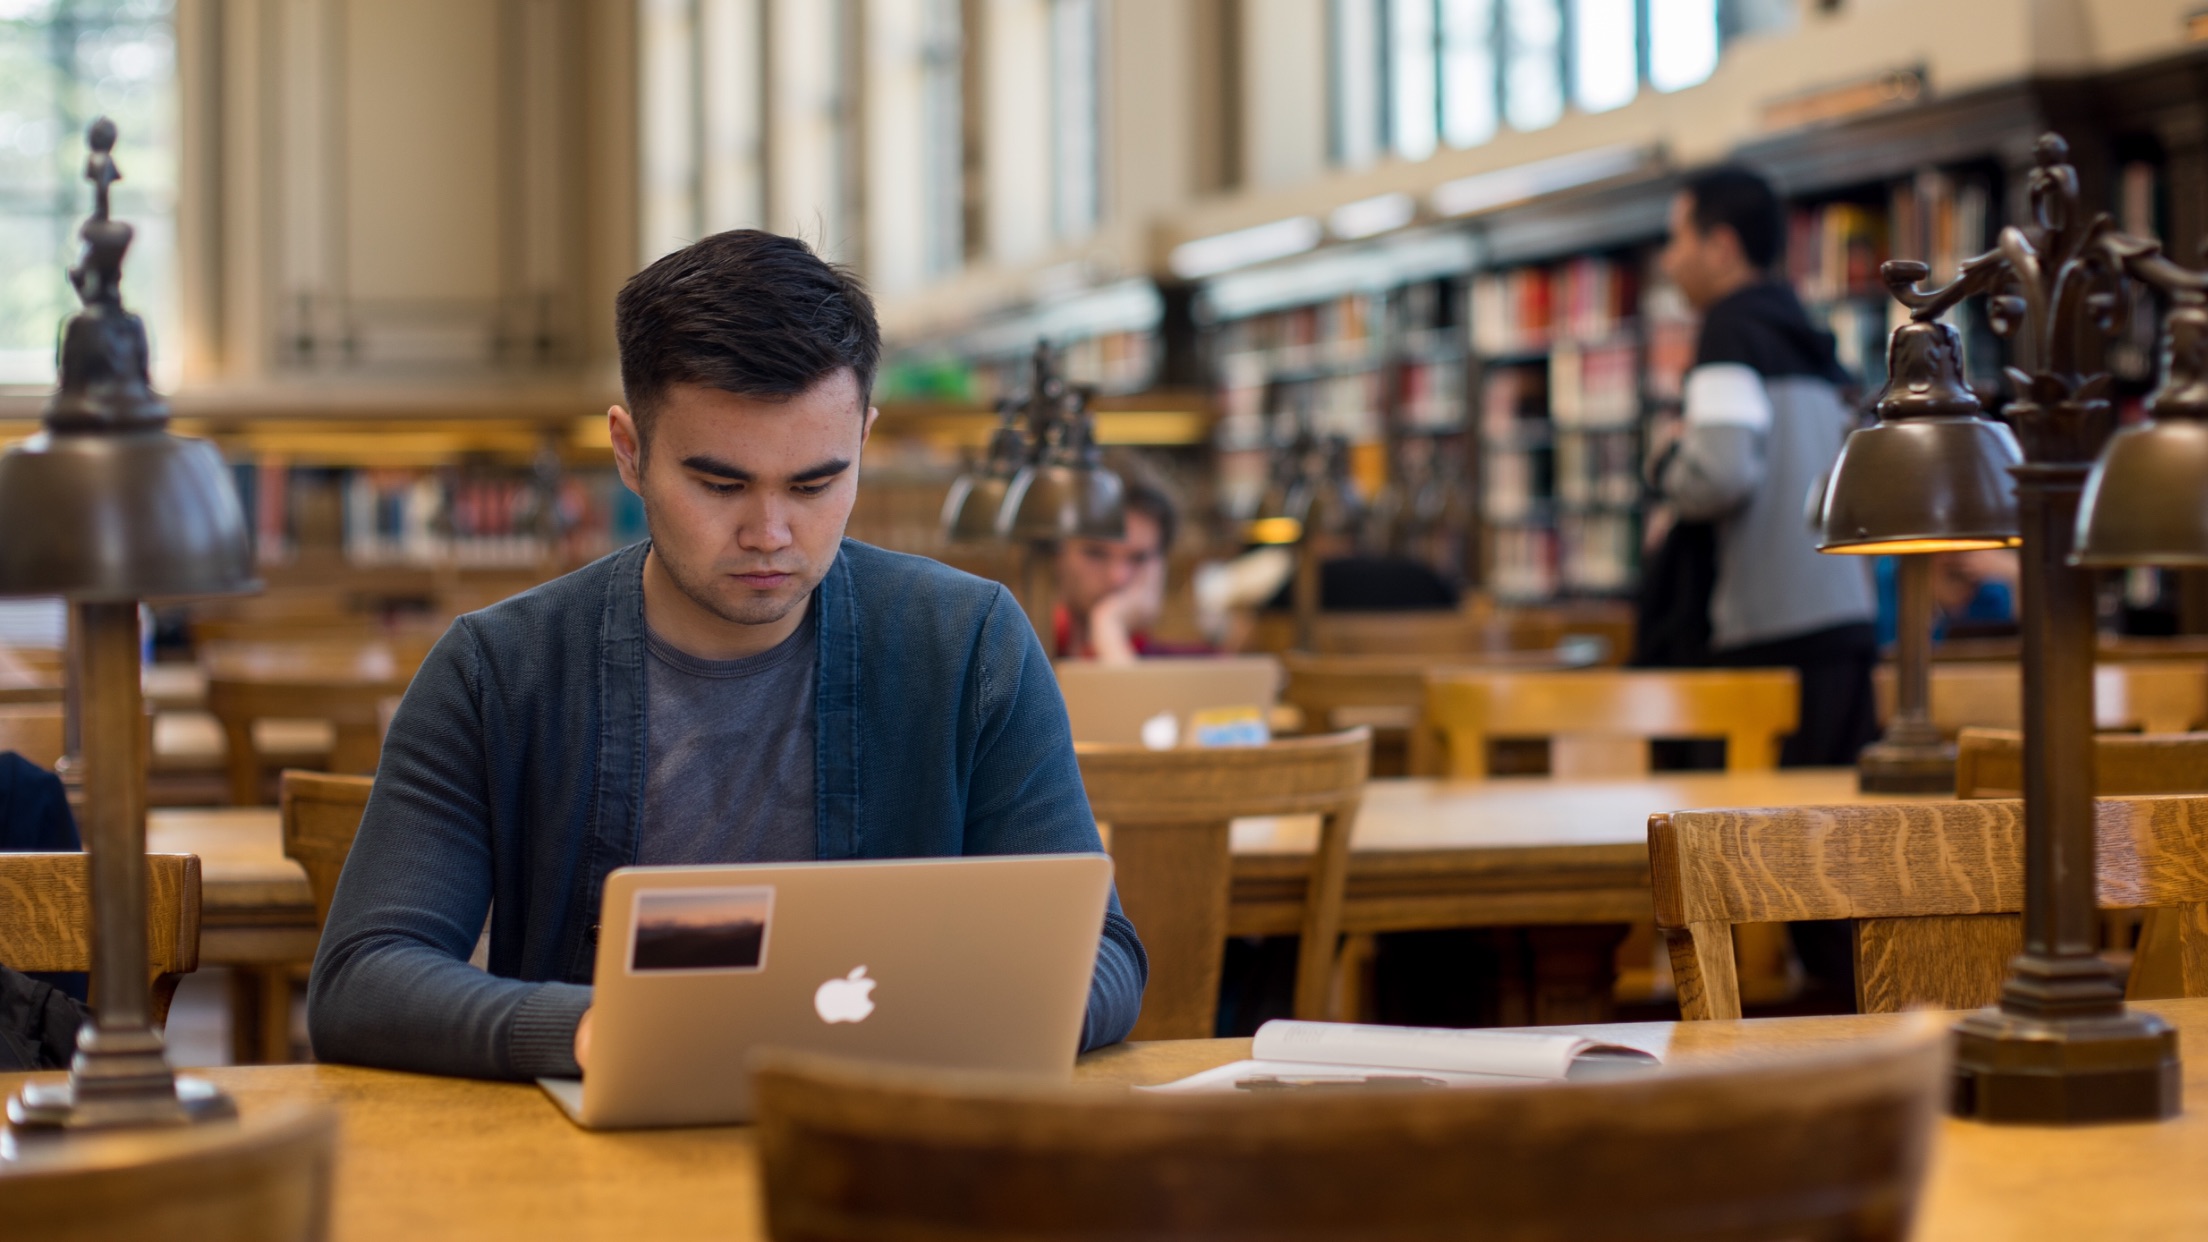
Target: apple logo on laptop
[(849, 999), (1161, 732)]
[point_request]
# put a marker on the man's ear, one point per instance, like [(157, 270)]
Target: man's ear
[(866, 429), (628, 452)]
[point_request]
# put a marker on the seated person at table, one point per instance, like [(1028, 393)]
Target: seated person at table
[(744, 686), (1110, 591)]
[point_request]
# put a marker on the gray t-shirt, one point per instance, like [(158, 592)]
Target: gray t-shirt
[(728, 774)]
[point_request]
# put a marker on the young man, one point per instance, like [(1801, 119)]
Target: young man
[(745, 686), (1763, 421), (1111, 590)]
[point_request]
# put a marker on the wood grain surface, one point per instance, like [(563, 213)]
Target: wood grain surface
[(1168, 815), (48, 923), (1716, 869), (320, 815), (2157, 696), (431, 1159)]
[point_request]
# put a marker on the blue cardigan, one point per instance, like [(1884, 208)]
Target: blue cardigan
[(514, 773)]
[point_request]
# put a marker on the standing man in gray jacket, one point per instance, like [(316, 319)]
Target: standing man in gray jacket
[(1762, 423)]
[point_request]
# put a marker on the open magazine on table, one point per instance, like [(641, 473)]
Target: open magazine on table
[(1291, 1055)]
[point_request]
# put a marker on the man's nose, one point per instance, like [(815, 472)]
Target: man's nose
[(763, 526)]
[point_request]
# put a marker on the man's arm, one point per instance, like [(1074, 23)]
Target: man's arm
[(1718, 463), (1025, 797), (392, 986)]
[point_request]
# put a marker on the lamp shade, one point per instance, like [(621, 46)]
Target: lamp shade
[(1932, 475), (104, 504), (2146, 502), (971, 507), (1063, 500)]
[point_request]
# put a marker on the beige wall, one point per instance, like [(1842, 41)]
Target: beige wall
[(405, 189)]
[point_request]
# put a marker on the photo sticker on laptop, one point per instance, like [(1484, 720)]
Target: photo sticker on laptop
[(691, 930)]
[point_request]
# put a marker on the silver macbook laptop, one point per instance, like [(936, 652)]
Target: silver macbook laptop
[(1154, 703), (969, 963)]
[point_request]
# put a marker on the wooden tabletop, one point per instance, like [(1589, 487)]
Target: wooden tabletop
[(373, 662), (255, 905), (430, 1158), (1509, 851), (1501, 852)]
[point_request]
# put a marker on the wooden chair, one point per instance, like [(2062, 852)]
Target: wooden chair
[(2153, 696), (1829, 1144), (1600, 721), (264, 1178), (1935, 889), (320, 814), (32, 730), (341, 684), (46, 919), (1989, 763), (1168, 813)]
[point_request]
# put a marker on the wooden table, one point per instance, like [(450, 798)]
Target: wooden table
[(430, 1158), (1570, 857), (256, 915), (1567, 860)]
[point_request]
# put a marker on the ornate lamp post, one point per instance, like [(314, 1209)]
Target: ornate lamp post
[(2061, 1047), (104, 508), (1041, 486)]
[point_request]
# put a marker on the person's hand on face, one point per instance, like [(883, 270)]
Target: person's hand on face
[(746, 500)]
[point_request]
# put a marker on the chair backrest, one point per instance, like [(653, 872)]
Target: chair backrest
[(1388, 692), (1830, 1144), (1989, 763), (2156, 696), (46, 918), (1599, 722), (263, 1178), (321, 814), (1933, 887), (32, 730), (1168, 813)]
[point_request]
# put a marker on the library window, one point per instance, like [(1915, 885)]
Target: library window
[(1605, 54), (1409, 76), (1682, 42), (1076, 197), (64, 63), (943, 156)]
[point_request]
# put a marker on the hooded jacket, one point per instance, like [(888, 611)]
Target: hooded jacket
[(1764, 421)]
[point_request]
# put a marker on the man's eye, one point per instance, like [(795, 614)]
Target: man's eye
[(810, 489), (721, 489)]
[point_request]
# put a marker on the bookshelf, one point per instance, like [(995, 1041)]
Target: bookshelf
[(1560, 351)]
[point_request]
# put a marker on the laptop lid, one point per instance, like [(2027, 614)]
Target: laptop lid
[(1111, 703), (968, 963)]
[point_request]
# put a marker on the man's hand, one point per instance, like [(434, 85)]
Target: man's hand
[(582, 1042)]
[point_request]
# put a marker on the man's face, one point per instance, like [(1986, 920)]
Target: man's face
[(1692, 259), (1090, 569), (747, 499)]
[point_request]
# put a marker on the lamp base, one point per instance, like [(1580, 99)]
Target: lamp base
[(2121, 1066), (107, 1100), (1907, 766)]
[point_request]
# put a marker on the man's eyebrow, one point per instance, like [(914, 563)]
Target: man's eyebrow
[(826, 470), (715, 466), (705, 464)]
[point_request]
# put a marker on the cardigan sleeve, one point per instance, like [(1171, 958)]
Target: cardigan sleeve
[(1027, 798), (392, 986)]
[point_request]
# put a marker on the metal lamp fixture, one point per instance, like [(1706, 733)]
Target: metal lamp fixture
[(970, 508), (2061, 1047), (1312, 494), (2146, 502), (104, 507), (1931, 476)]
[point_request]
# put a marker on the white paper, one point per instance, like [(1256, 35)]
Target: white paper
[(1339, 1054)]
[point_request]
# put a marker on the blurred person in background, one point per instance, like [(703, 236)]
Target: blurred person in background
[(1762, 420), (1112, 591)]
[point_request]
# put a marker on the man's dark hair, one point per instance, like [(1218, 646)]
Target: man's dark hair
[(1144, 491), (752, 313), (1742, 201)]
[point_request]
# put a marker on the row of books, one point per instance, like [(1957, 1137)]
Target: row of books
[(1598, 468), (1593, 554), (464, 518), (1525, 310), (1110, 362), (1344, 328)]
